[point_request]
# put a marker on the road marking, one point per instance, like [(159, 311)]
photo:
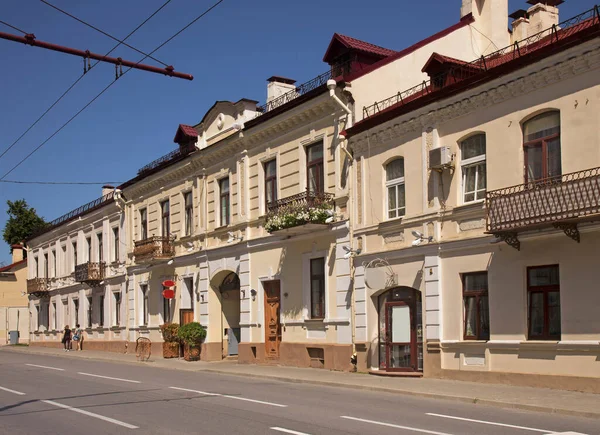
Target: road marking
[(91, 414), (380, 423), (491, 423), (281, 429), (231, 397), (109, 377), (12, 391), (45, 367)]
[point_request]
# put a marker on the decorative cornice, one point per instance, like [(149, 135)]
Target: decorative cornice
[(574, 63)]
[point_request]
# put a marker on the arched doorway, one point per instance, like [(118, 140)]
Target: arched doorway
[(400, 330), (229, 290)]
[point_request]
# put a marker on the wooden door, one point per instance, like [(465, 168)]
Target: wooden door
[(186, 316), (272, 323)]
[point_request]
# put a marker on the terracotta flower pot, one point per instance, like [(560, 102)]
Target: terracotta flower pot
[(170, 349), (191, 352)]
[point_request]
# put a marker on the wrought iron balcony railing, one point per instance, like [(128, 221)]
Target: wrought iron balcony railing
[(477, 67), (173, 156), (558, 201), (154, 248), (299, 209), (90, 273), (37, 286)]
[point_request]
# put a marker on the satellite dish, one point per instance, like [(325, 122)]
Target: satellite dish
[(375, 278)]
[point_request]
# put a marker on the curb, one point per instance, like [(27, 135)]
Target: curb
[(463, 399)]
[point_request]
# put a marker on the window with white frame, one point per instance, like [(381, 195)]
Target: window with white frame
[(100, 248), (54, 322), (144, 301), (117, 308), (394, 184), (74, 247), (189, 212), (116, 243), (89, 248), (143, 224), (224, 202), (35, 267), (54, 261), (64, 261), (472, 151), (165, 211)]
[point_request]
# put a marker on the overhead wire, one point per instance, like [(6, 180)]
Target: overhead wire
[(108, 87), (13, 27), (61, 182), (77, 81), (122, 42)]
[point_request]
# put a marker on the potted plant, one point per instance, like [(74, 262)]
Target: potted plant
[(191, 335), (171, 340)]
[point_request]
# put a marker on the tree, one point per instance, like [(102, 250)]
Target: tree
[(23, 221)]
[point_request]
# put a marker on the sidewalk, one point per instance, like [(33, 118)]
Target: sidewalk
[(524, 398)]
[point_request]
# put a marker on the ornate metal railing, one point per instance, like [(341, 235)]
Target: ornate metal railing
[(90, 272), (565, 198), (154, 248), (304, 199), (300, 209), (479, 66), (179, 153), (90, 206), (37, 286)]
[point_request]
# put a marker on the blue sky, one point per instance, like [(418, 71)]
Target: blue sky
[(231, 52)]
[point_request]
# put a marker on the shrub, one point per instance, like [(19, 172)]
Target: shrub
[(169, 332), (192, 333)]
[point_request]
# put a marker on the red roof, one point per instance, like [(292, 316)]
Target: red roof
[(441, 59), (10, 266), (185, 131), (356, 44)]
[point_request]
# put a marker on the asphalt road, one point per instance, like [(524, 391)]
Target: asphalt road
[(54, 395)]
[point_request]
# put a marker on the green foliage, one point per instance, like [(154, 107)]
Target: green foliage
[(294, 215), (192, 333), (23, 221), (169, 332)]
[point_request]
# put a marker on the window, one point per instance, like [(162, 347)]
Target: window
[(64, 261), (317, 288), (394, 184), (270, 182), (54, 261), (89, 313), (38, 316), (314, 169), (144, 290), (543, 294), (76, 311), (101, 311), (477, 314), (541, 140), (47, 316), (472, 151), (117, 317), (116, 244), (54, 316), (165, 211), (143, 224), (74, 256), (100, 248), (89, 248), (35, 267), (189, 213), (166, 310), (224, 201), (46, 266)]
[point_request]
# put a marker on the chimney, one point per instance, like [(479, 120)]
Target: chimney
[(17, 253), (106, 189), (520, 25), (491, 20), (542, 15), (278, 86)]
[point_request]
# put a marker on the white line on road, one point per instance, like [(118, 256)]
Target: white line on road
[(12, 391), (45, 367), (490, 423), (108, 377), (91, 414), (414, 429), (281, 429), (231, 397)]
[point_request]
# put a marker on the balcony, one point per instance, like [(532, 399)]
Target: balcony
[(561, 202), (37, 287), (301, 213), (90, 273), (154, 248)]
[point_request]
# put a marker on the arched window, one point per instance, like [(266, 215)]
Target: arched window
[(394, 183), (541, 142), (472, 156)]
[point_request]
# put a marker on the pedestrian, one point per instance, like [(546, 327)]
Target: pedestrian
[(78, 337), (66, 341)]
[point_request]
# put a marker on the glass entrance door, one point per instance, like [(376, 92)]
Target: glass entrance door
[(399, 340)]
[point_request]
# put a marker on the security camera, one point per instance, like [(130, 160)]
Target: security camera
[(417, 234), (348, 255), (417, 242), (347, 249)]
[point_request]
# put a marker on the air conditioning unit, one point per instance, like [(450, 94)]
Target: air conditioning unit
[(440, 158)]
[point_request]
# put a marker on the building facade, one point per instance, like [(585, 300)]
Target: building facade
[(476, 207), (14, 312), (76, 269)]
